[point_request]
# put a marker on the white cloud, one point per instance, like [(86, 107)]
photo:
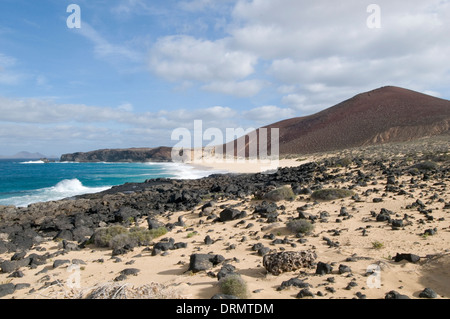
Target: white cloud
[(246, 88), (318, 46), (308, 46), (105, 49), (268, 114), (195, 5), (185, 58), (127, 107), (8, 76), (125, 8)]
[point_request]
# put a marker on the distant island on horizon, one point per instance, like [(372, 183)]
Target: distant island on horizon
[(28, 155)]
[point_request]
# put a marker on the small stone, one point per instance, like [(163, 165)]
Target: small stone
[(409, 257), (397, 224), (350, 285), (323, 268), (130, 271), (7, 289), (430, 232), (293, 282), (330, 289), (263, 251), (360, 295), (395, 295), (16, 274), (305, 293), (208, 240), (428, 293), (60, 262), (344, 269)]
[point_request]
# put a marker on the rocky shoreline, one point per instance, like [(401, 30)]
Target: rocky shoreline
[(257, 206), (127, 155)]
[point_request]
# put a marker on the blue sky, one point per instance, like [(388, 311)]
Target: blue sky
[(136, 70)]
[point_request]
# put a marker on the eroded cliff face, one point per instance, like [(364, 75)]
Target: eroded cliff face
[(159, 154), (409, 133)]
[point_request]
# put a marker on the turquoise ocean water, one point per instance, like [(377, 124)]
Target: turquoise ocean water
[(23, 182)]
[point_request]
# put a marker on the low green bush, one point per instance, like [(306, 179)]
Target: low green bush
[(300, 226), (282, 193), (234, 285), (118, 236), (102, 237)]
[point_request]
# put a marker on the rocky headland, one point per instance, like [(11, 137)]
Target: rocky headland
[(128, 155)]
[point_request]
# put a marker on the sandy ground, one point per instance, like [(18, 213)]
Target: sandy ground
[(241, 166), (171, 270)]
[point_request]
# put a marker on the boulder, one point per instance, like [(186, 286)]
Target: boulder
[(395, 295), (126, 215), (7, 289), (323, 268), (13, 265), (231, 214), (286, 261), (225, 271), (304, 293), (201, 262), (154, 224), (409, 257), (343, 269), (428, 293)]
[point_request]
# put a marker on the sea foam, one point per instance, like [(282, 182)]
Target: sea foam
[(33, 162), (64, 189)]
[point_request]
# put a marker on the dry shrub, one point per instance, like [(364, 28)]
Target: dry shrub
[(128, 291)]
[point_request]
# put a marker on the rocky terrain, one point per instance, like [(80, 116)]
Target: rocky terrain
[(159, 154), (364, 223)]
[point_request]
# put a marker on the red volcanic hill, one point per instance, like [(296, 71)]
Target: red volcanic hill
[(385, 115)]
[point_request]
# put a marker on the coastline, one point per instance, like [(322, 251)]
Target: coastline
[(41, 245)]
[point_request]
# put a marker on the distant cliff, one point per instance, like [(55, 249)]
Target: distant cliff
[(159, 154)]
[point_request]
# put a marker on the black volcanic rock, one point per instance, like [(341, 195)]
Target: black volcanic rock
[(200, 262)]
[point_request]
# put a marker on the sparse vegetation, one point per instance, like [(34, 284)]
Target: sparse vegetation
[(302, 226), (234, 285), (119, 236), (103, 236), (377, 245), (426, 166), (129, 291), (331, 194), (282, 193), (343, 162), (191, 234)]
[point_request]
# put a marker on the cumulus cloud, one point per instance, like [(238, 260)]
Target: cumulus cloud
[(181, 58), (246, 88), (316, 45), (303, 44), (45, 121), (268, 114)]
